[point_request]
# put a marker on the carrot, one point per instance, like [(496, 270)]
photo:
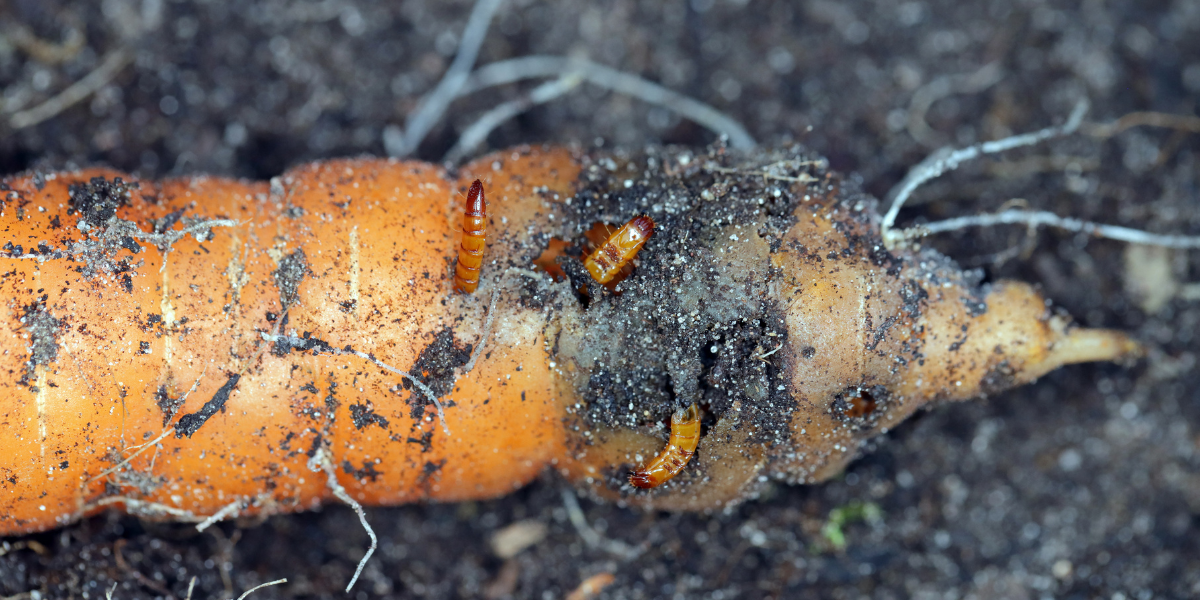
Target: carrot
[(187, 347)]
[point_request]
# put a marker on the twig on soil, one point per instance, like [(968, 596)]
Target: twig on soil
[(948, 159), (263, 585), (113, 63), (434, 104), (1035, 218), (320, 462)]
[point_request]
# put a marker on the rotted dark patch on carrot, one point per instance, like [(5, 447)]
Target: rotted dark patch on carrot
[(976, 307), (860, 406), (428, 470), (165, 223), (167, 403), (364, 415), (999, 378), (425, 441), (304, 343), (189, 423), (913, 297), (288, 276), (368, 471), (435, 367), (96, 201), (43, 330)]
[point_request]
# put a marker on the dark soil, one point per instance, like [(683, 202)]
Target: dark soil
[(1086, 484)]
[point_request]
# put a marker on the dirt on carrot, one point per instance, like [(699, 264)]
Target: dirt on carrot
[(283, 87)]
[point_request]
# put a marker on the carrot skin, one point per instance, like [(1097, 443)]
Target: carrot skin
[(344, 255)]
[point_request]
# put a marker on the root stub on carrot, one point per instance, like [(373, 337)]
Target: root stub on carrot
[(176, 348)]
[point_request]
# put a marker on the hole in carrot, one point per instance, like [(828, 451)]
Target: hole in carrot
[(545, 261)]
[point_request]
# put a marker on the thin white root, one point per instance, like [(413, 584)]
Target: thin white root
[(309, 344), (1190, 292), (535, 67), (589, 535), (766, 173), (1034, 218), (942, 87), (113, 63), (256, 588), (320, 462), (142, 508), (48, 52), (459, 81), (441, 411), (152, 443), (229, 510), (487, 328), (434, 104), (1187, 123), (167, 238), (948, 159), (766, 354), (125, 462), (477, 133)]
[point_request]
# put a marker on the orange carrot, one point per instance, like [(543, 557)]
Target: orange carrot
[(186, 347)]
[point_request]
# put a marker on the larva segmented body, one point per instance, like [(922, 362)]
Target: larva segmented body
[(474, 230), (605, 263), (685, 435)]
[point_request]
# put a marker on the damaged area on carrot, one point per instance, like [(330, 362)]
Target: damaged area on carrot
[(182, 347)]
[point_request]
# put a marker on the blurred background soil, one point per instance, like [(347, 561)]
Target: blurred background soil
[(1084, 485)]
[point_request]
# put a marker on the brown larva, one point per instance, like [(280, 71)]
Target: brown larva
[(605, 263), (474, 238), (685, 435)]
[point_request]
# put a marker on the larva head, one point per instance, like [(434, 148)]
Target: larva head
[(476, 202), (641, 479), (635, 233)]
